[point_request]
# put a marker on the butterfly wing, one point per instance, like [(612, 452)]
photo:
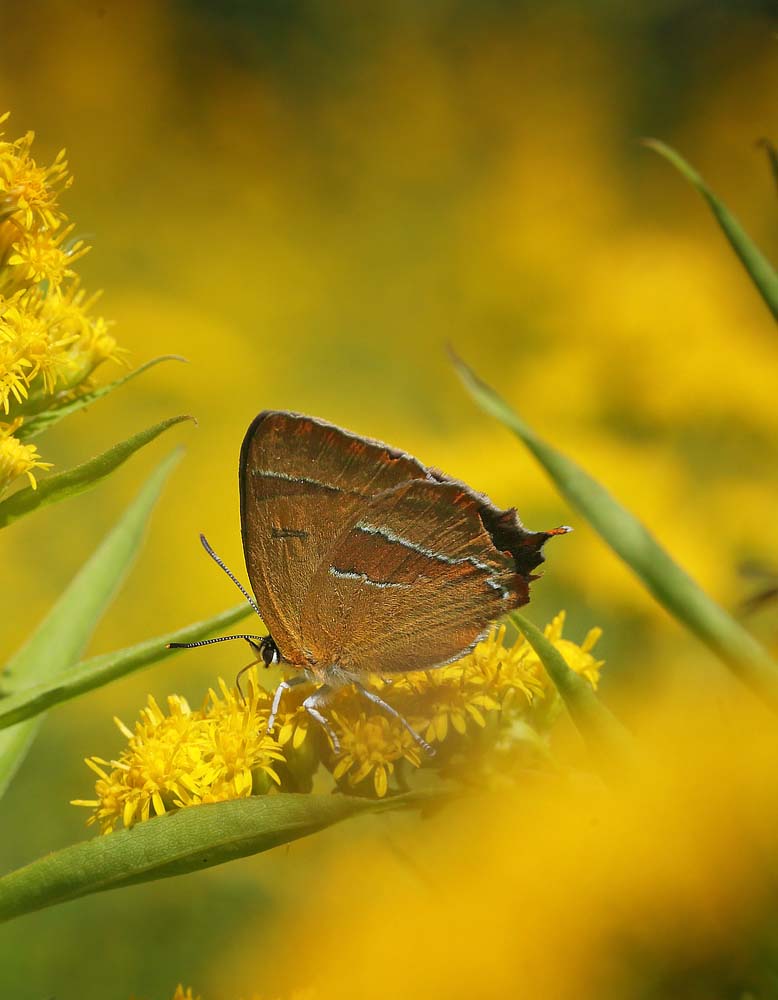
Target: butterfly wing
[(417, 579), (302, 483)]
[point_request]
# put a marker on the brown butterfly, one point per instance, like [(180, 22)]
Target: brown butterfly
[(362, 560)]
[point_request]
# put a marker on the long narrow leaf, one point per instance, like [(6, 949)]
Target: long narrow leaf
[(608, 738), (59, 640), (193, 839), (759, 268), (630, 540), (100, 670), (81, 478), (35, 425)]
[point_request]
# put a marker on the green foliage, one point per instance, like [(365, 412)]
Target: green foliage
[(753, 260), (608, 739), (59, 640), (187, 841), (100, 670), (633, 543), (83, 477), (43, 421)]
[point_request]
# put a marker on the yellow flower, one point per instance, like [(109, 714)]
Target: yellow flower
[(504, 671), (293, 723), (578, 658), (37, 256), (32, 189), (223, 751), (438, 699), (31, 346), (369, 747), (50, 338), (50, 343), (14, 369), (185, 994), (235, 742), (186, 757), (17, 459), (69, 313)]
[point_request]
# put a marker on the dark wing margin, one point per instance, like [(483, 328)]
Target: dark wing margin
[(505, 529)]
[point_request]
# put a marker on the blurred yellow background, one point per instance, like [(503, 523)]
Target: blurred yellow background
[(308, 201)]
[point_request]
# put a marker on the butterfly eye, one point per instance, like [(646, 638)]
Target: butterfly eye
[(270, 654)]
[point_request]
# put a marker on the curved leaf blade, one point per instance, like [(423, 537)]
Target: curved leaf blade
[(59, 640), (195, 838), (609, 740), (751, 257), (83, 477), (40, 422), (672, 587), (100, 670)]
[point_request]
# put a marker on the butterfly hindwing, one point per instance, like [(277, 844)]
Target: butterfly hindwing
[(415, 581)]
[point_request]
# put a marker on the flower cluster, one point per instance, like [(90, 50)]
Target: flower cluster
[(223, 750), (185, 757), (182, 993), (50, 340)]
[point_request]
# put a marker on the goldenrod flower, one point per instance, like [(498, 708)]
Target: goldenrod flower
[(293, 723), (443, 698), (186, 757), (236, 744), (223, 751), (370, 745), (37, 256), (17, 459), (508, 673), (50, 343), (578, 658), (33, 189), (187, 994)]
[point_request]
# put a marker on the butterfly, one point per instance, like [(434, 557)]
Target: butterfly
[(364, 561)]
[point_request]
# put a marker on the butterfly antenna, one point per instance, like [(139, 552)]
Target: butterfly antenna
[(209, 642), (230, 574)]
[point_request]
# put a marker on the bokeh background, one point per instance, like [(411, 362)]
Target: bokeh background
[(308, 200)]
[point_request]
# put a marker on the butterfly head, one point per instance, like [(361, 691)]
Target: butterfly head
[(266, 650)]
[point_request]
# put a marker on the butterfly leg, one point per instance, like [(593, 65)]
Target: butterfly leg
[(312, 705), (390, 710), (282, 687), (241, 672)]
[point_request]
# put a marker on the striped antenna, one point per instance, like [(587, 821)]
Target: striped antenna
[(255, 640), (230, 574)]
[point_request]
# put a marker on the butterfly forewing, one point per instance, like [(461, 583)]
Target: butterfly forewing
[(303, 482)]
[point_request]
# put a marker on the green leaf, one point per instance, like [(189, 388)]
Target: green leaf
[(99, 670), (751, 257), (33, 426), (609, 740), (633, 543), (195, 838), (59, 640), (83, 477)]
